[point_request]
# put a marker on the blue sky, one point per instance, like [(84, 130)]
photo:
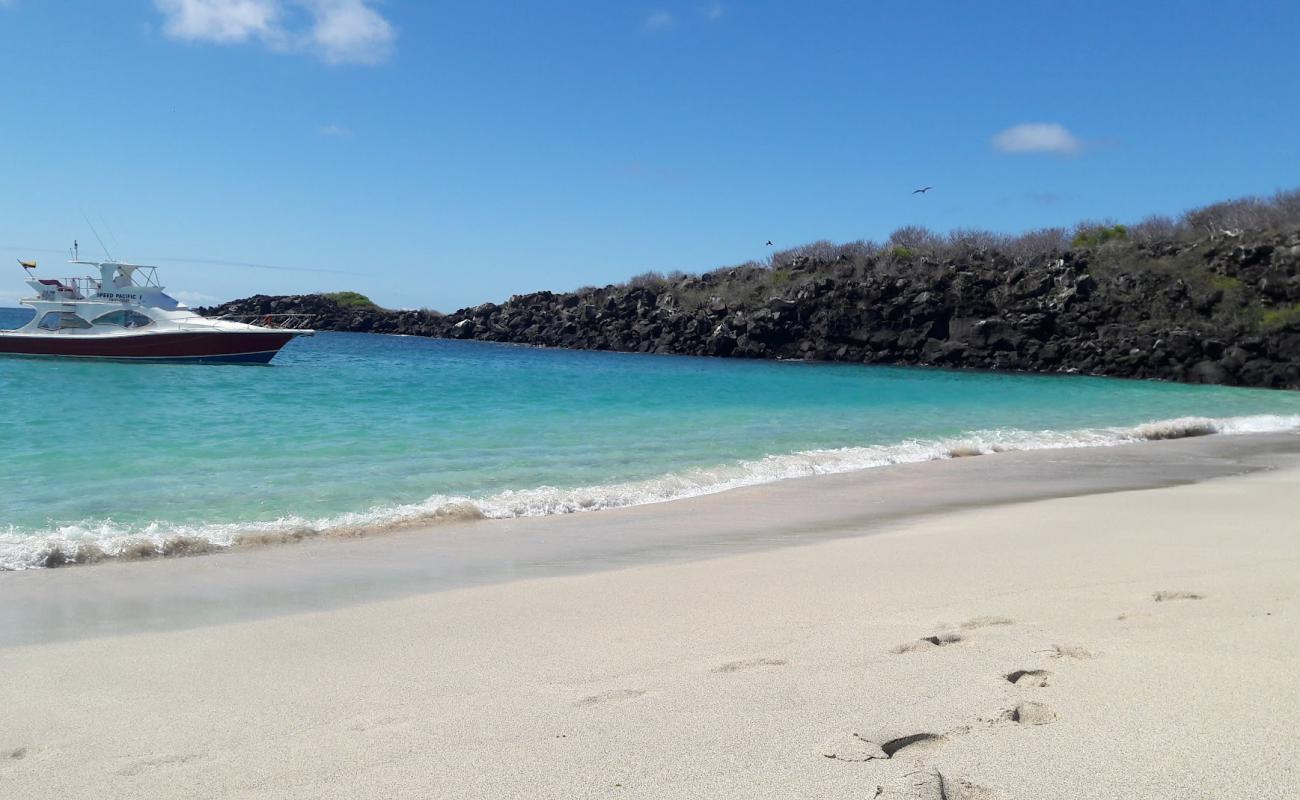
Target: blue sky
[(446, 154)]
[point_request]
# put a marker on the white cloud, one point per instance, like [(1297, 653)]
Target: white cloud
[(339, 131), (659, 21), (223, 21), (713, 11), (1037, 137), (350, 32), (336, 31)]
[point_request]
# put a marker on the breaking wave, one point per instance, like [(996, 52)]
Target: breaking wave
[(98, 540)]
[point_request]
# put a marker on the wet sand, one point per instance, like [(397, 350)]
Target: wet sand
[(755, 643), (254, 583)]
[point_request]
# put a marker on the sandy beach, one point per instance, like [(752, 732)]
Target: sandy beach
[(1134, 644)]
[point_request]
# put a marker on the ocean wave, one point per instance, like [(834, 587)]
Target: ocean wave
[(98, 540)]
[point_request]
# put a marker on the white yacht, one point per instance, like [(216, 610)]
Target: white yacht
[(124, 314)]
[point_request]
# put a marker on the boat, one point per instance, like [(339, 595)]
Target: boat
[(125, 315)]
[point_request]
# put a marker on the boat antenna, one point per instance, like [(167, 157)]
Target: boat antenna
[(109, 230), (92, 230)]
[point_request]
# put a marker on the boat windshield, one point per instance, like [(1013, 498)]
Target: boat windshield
[(124, 318), (61, 320)]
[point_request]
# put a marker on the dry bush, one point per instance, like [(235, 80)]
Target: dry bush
[(1287, 205), (916, 239), (1227, 216), (1155, 228), (906, 245), (974, 240), (648, 280), (1037, 243), (1281, 211)]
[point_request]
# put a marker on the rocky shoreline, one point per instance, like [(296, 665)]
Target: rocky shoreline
[(1224, 309)]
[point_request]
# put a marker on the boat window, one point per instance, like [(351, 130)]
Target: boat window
[(124, 318), (62, 320)]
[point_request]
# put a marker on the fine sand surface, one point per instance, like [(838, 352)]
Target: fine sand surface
[(1142, 644)]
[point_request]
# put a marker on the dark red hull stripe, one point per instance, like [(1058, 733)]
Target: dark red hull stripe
[(230, 358), (153, 345)]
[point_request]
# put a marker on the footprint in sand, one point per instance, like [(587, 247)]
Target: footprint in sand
[(753, 663), (613, 695), (929, 643), (1030, 713), (931, 784), (860, 748), (1162, 597), (853, 748), (1032, 678), (18, 752), (1068, 651), (986, 622), (156, 762)]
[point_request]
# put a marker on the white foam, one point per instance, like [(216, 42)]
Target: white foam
[(26, 550)]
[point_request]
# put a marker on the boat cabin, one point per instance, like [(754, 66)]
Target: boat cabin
[(123, 297)]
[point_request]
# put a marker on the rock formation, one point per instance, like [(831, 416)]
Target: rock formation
[(1222, 309)]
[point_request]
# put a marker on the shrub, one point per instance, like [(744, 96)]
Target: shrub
[(1281, 211), (975, 240), (648, 280), (1089, 234), (1274, 318), (1226, 283), (1037, 243), (1155, 228), (1286, 205), (916, 238), (351, 300)]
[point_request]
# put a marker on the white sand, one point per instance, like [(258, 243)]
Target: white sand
[(735, 677)]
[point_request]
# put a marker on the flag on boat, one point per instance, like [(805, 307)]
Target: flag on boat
[(27, 264)]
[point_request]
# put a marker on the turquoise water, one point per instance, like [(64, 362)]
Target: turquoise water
[(349, 431)]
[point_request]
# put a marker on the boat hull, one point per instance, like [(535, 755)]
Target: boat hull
[(231, 347)]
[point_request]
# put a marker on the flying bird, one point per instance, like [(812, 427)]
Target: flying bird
[(923, 190), (769, 243)]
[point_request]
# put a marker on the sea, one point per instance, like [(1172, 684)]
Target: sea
[(360, 434)]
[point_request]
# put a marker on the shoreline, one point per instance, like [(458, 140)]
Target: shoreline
[(165, 540), (1074, 647), (251, 583)]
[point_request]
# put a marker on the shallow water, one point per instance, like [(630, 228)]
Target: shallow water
[(361, 432)]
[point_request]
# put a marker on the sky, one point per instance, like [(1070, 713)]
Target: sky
[(442, 155)]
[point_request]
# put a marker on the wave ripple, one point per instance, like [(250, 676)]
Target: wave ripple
[(94, 541)]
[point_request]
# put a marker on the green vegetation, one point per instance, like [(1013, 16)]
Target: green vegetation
[(1187, 257), (351, 299), (1225, 283), (1274, 318), (1097, 235)]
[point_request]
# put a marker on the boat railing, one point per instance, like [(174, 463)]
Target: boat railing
[(285, 320), (67, 288), (84, 287)]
